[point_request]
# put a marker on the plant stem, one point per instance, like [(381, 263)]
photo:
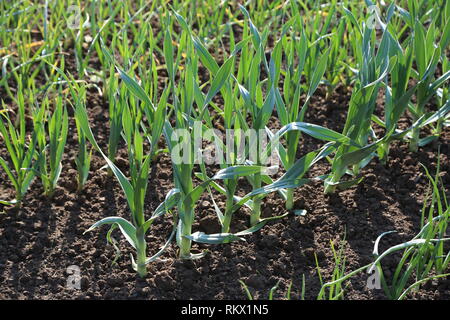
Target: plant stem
[(256, 214), (331, 187), (414, 144), (186, 210), (356, 169), (290, 199), (384, 153), (292, 142), (185, 246), (49, 192), (19, 200), (186, 230), (141, 254), (256, 208), (228, 214)]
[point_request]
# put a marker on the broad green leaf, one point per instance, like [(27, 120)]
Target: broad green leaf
[(216, 238), (319, 71), (127, 229), (134, 87), (219, 80)]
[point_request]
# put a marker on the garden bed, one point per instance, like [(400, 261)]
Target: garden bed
[(367, 98), (43, 238)]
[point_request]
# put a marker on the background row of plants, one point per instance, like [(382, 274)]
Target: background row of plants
[(165, 66)]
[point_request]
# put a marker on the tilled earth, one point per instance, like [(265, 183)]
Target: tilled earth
[(42, 239)]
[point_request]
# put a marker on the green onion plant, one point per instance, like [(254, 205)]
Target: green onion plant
[(21, 148), (52, 136)]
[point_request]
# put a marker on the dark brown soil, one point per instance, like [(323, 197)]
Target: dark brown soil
[(41, 240)]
